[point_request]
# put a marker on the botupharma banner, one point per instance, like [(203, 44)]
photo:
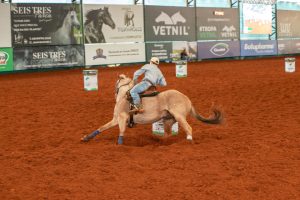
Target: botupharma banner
[(218, 49), (6, 59), (288, 46), (5, 39), (164, 23), (217, 23), (102, 54), (48, 57), (113, 23), (258, 47), (45, 24), (288, 24), (162, 50)]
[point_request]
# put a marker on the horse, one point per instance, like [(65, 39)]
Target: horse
[(93, 25), (63, 35), (169, 105)]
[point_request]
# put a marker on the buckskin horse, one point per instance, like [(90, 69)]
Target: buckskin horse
[(169, 105)]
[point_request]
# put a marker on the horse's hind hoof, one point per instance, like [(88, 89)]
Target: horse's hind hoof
[(85, 138)]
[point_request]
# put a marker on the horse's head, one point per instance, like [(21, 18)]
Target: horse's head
[(72, 15), (105, 17), (123, 84)]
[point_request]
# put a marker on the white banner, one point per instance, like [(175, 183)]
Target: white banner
[(5, 39), (97, 54), (113, 23)]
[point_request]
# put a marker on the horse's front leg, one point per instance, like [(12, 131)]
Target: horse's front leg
[(122, 120), (106, 126)]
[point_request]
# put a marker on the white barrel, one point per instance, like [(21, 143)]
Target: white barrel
[(90, 80), (290, 65), (159, 129), (181, 69)]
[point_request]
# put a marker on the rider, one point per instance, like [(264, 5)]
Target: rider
[(153, 76)]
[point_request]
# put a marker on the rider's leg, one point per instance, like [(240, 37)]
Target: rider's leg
[(136, 90)]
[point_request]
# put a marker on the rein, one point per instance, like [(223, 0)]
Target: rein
[(118, 88)]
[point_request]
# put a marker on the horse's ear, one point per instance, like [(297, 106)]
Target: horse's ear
[(122, 76)]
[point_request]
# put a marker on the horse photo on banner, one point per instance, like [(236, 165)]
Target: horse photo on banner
[(46, 24), (113, 23)]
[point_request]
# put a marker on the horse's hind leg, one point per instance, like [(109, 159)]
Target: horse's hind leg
[(184, 124), (122, 119), (168, 123)]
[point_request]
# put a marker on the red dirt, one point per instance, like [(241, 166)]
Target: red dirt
[(254, 155)]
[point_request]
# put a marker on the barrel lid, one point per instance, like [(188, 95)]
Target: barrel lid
[(90, 72)]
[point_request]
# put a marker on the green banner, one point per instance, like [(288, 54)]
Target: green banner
[(6, 59)]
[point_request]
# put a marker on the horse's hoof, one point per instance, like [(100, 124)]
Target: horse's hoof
[(120, 140), (85, 138)]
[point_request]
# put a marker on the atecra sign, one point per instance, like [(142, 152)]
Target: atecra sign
[(165, 23)]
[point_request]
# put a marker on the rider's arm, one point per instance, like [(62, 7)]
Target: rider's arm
[(137, 74), (162, 81)]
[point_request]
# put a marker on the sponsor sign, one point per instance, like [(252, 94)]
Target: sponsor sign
[(6, 59), (190, 49), (45, 24), (218, 49), (162, 50), (98, 54), (48, 57), (5, 39), (288, 46), (113, 23), (164, 23), (288, 24), (217, 23), (258, 47), (257, 18)]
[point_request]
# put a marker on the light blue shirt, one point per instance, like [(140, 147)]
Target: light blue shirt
[(152, 74)]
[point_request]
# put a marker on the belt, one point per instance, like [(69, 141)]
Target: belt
[(148, 81)]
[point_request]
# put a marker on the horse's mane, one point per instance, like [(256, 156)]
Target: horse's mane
[(91, 15)]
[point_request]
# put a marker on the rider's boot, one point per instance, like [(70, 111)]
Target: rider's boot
[(137, 109)]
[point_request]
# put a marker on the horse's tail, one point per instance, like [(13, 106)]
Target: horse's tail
[(217, 117)]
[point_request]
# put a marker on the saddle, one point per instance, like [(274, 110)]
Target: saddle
[(151, 92)]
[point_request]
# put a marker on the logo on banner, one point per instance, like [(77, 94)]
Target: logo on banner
[(281, 47), (229, 32), (3, 57), (128, 18), (260, 48), (99, 54), (171, 26), (220, 49), (285, 29)]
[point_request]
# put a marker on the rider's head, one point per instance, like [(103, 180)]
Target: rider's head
[(154, 60)]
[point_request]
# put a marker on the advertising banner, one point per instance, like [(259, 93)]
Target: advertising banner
[(190, 49), (257, 18), (98, 54), (258, 47), (288, 46), (162, 50), (113, 23), (218, 49), (45, 24), (6, 59), (217, 23), (288, 24), (5, 39), (164, 23), (48, 57)]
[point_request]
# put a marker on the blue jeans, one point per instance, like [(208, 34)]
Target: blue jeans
[(139, 88)]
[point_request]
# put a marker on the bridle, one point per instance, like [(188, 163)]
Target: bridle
[(118, 88)]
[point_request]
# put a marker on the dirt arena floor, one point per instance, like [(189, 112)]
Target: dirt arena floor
[(255, 154)]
